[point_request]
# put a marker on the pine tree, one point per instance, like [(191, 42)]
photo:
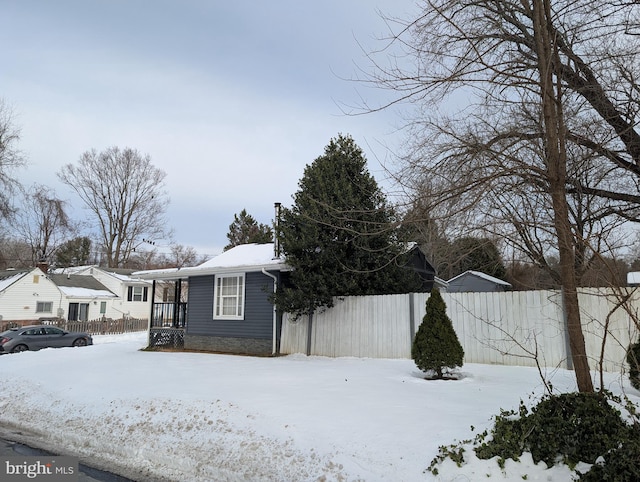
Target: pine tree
[(339, 236), (75, 252), (436, 346), (245, 229)]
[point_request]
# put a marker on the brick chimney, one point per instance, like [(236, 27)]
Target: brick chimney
[(43, 265)]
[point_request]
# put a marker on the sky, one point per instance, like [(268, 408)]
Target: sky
[(202, 417), (230, 99)]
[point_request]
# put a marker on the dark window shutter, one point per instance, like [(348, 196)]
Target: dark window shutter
[(144, 293), (130, 293)]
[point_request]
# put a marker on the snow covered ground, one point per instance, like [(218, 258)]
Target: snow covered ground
[(205, 417)]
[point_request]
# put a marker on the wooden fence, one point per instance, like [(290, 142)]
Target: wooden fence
[(509, 328), (104, 326)]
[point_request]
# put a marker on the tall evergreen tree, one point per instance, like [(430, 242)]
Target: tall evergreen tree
[(436, 346), (75, 252), (245, 229), (339, 236)]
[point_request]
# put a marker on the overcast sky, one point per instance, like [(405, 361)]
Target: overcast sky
[(231, 99)]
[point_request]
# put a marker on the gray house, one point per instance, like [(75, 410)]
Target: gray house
[(228, 309), (477, 282)]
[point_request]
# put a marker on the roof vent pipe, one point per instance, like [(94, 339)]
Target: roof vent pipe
[(276, 222)]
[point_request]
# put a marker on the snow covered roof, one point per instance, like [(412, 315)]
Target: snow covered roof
[(71, 269), (121, 274), (77, 292), (243, 258), (440, 283), (79, 286), (7, 278), (479, 274)]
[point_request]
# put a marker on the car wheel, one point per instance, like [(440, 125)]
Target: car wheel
[(80, 342), (19, 348)]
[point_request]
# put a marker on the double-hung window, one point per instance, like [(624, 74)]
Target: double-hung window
[(228, 297), (137, 293)]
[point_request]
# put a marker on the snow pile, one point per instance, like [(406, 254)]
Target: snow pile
[(205, 417)]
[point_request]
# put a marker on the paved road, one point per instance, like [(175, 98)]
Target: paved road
[(87, 474)]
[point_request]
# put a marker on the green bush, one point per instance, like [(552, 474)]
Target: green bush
[(633, 359), (621, 464), (436, 346), (571, 428), (568, 428)]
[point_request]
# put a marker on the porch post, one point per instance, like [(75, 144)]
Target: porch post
[(176, 303)]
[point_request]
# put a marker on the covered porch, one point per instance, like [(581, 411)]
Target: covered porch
[(168, 318)]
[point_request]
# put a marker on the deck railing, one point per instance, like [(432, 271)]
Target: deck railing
[(169, 315)]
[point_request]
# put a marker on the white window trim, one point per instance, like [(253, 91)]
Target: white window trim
[(215, 297), (137, 293)]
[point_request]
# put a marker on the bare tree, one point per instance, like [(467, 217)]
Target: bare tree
[(179, 256), (182, 256), (125, 194), (543, 150), (42, 221), (14, 253), (10, 158)]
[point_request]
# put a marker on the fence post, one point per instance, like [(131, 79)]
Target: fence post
[(412, 320), (309, 328)]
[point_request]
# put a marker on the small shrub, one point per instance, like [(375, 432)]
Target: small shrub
[(436, 346), (633, 359)]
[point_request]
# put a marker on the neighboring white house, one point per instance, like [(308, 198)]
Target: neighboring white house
[(76, 294), (133, 293), (27, 295), (84, 298)]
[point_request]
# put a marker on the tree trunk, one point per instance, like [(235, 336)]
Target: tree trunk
[(556, 164)]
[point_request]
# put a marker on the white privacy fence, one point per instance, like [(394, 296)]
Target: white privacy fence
[(508, 328)]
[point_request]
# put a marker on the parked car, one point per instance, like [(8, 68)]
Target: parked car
[(35, 337)]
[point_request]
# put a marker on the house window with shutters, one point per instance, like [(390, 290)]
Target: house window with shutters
[(137, 293)]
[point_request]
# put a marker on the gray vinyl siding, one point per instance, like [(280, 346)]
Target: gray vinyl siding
[(470, 283), (258, 311)]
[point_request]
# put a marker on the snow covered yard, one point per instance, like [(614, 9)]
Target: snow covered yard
[(205, 417)]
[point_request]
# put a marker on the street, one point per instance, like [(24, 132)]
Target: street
[(86, 474)]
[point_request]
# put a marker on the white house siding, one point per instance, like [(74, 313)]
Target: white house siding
[(134, 309), (509, 328), (18, 301), (118, 284)]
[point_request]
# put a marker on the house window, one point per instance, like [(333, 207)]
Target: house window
[(44, 307), (103, 307), (229, 297), (137, 293), (78, 312)]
